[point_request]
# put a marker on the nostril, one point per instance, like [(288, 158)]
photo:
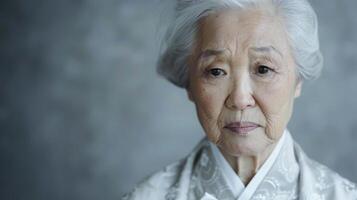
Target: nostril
[(240, 102)]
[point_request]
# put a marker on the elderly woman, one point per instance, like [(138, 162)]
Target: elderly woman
[(242, 63)]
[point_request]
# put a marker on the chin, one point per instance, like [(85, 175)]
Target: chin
[(250, 145)]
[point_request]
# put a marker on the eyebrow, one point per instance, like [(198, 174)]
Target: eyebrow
[(216, 52), (266, 49), (211, 52)]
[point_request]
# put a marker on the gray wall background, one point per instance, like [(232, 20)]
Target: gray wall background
[(84, 116)]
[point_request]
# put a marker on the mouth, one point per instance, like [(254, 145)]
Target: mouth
[(241, 128)]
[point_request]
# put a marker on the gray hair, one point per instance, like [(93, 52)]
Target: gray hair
[(299, 18)]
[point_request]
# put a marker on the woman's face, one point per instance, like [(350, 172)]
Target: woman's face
[(243, 80)]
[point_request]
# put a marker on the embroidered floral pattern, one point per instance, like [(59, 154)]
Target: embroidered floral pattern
[(292, 176)]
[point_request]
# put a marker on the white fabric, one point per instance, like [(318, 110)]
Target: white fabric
[(233, 180), (240, 192), (199, 177)]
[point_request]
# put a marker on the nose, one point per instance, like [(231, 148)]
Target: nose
[(240, 96)]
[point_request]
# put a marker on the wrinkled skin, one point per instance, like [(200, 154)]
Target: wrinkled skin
[(242, 69)]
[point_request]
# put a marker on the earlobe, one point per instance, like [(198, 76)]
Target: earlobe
[(298, 88), (189, 94)]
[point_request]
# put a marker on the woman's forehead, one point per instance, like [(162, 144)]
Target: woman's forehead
[(223, 52), (251, 29)]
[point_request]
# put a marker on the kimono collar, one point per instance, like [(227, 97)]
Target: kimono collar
[(233, 180), (215, 179)]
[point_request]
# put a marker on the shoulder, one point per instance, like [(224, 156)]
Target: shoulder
[(157, 185), (332, 184), (168, 182), (321, 181)]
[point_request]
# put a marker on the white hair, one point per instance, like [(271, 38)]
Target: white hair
[(298, 16)]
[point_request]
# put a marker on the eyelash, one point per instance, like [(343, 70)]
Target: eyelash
[(265, 67), (209, 72)]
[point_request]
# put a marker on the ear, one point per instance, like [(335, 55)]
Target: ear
[(298, 88), (189, 94)]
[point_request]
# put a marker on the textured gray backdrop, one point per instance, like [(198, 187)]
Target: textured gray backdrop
[(84, 116)]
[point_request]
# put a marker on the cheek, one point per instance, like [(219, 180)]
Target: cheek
[(275, 102), (209, 103)]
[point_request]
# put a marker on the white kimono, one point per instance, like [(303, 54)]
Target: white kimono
[(205, 175)]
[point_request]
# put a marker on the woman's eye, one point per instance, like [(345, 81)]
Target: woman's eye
[(216, 72), (262, 70)]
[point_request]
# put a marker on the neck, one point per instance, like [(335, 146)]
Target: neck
[(246, 166)]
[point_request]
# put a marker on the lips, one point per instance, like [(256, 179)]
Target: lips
[(241, 128)]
